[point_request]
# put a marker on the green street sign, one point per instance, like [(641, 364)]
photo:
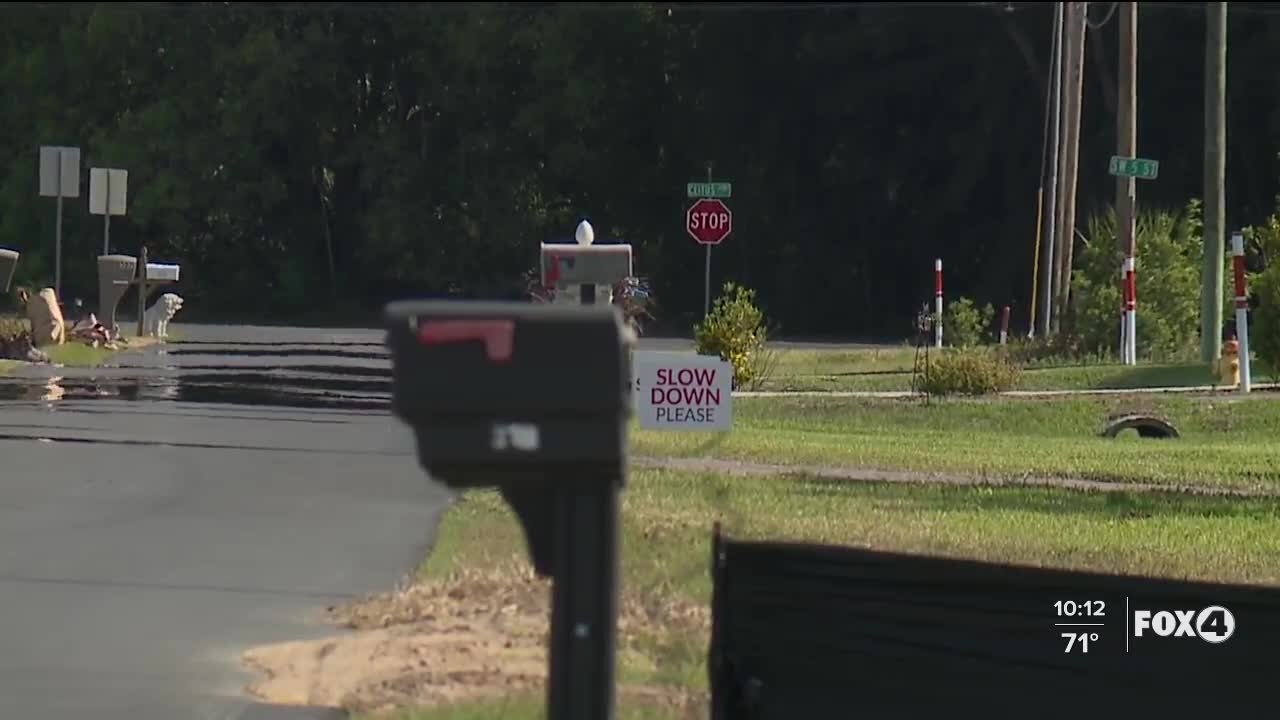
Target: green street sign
[(1134, 167), (710, 190)]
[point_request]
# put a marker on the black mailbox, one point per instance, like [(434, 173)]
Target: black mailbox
[(512, 393), (532, 399)]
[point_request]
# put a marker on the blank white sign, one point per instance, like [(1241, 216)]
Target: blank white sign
[(52, 182), (108, 190)]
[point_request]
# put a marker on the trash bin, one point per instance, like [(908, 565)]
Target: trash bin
[(8, 263), (114, 274)]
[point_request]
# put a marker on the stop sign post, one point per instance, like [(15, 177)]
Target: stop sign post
[(708, 221)]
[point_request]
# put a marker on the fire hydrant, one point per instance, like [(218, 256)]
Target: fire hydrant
[(1229, 364)]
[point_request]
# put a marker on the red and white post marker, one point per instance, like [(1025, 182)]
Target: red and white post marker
[(1004, 326), (937, 302), (1130, 319), (1242, 308)]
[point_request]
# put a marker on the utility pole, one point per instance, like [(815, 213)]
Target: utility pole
[(1053, 138), (1070, 158), (1215, 170), (1127, 146)]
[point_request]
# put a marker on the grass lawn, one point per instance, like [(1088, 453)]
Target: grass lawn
[(668, 515), (77, 354), (885, 370), (1227, 442), (70, 354)]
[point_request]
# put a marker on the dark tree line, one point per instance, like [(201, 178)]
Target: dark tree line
[(337, 156)]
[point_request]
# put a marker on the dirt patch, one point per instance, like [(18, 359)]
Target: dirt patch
[(477, 635)]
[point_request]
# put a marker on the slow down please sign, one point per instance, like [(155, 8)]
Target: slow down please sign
[(680, 391)]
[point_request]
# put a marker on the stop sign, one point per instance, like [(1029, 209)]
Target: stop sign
[(708, 221)]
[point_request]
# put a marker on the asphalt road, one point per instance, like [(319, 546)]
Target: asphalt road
[(160, 517)]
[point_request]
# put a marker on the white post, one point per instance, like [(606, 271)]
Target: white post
[(937, 302), (1131, 311), (106, 215), (1242, 309), (706, 288), (1124, 312), (57, 242)]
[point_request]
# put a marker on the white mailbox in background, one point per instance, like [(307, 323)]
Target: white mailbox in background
[(568, 267), (157, 272)]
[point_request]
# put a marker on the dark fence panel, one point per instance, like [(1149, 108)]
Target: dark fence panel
[(809, 631)]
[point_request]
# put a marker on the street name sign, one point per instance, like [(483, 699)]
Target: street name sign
[(709, 189), (1140, 168)]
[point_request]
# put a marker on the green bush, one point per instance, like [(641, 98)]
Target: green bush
[(969, 372), (12, 328), (1055, 350), (1262, 244), (735, 331), (1169, 264), (1264, 328), (964, 324), (15, 338), (1263, 241)]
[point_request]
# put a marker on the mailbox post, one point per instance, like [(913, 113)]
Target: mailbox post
[(493, 403)]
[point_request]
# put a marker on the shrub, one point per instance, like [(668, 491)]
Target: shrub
[(1262, 244), (1263, 241), (964, 324), (13, 327), (1055, 350), (635, 298), (969, 372), (761, 366), (1170, 252), (15, 338), (1264, 329), (735, 331)]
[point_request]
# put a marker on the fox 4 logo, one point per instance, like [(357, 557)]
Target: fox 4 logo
[(1214, 624)]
